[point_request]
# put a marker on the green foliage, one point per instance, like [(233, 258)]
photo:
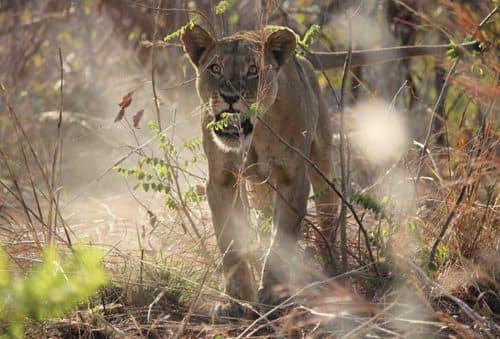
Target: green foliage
[(455, 51), (442, 257), (53, 287), (319, 194), (310, 36), (255, 110), (228, 118), (477, 68), (368, 202), (274, 28), (157, 174), (137, 172), (222, 7), (193, 144), (180, 31), (191, 196), (265, 226), (171, 202), (234, 19)]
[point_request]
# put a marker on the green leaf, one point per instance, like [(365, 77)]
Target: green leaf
[(255, 110), (171, 203), (222, 7), (51, 289), (234, 19), (191, 196), (226, 119), (453, 52), (310, 36), (368, 202), (179, 32)]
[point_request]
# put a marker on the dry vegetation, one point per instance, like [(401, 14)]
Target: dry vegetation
[(75, 167)]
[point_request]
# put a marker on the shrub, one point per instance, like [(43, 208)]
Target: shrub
[(51, 288)]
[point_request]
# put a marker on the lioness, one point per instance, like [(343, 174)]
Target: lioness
[(233, 74)]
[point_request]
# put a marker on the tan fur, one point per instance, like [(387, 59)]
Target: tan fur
[(288, 90)]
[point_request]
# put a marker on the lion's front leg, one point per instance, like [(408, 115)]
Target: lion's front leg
[(282, 256), (233, 235)]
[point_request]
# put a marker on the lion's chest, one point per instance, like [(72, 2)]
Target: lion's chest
[(273, 152)]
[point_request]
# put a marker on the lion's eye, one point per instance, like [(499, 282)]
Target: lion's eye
[(252, 70), (214, 68)]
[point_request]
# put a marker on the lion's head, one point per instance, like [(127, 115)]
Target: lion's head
[(235, 72)]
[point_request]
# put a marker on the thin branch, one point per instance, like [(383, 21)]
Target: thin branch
[(343, 158), (436, 108), (155, 96), (60, 143), (382, 55), (330, 183)]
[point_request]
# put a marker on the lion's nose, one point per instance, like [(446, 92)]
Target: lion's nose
[(230, 99)]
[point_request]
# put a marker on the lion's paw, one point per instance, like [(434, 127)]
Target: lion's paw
[(273, 295), (233, 310), (269, 300)]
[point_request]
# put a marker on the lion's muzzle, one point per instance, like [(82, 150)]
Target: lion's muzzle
[(233, 126)]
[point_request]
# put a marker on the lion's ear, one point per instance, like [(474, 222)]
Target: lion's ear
[(196, 41), (281, 44)]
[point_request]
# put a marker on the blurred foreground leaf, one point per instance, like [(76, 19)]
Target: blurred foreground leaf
[(53, 287)]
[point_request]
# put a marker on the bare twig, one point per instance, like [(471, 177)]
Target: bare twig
[(155, 96), (382, 55), (343, 157), (436, 108), (487, 18), (59, 149)]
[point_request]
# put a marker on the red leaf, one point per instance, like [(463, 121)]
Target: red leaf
[(126, 100), (137, 118), (152, 218), (120, 115)]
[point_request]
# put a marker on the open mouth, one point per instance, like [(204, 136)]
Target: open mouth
[(233, 126)]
